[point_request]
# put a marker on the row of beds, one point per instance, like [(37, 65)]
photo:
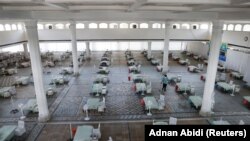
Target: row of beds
[(96, 102), (31, 104), (7, 132), (99, 88), (220, 82), (187, 88), (142, 86)]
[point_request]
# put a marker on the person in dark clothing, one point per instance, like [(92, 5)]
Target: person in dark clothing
[(164, 82)]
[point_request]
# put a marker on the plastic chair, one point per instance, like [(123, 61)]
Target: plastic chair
[(20, 130)]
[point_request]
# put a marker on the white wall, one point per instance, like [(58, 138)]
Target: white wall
[(129, 34), (236, 37), (198, 48), (9, 37)]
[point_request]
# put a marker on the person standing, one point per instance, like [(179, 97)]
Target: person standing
[(164, 82)]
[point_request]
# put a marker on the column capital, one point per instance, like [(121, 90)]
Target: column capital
[(218, 24), (72, 22), (31, 24), (72, 25), (168, 24)]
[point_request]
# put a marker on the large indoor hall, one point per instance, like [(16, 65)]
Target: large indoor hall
[(97, 70)]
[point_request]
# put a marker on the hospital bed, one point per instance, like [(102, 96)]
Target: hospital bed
[(184, 88), (96, 104), (51, 91), (137, 78), (31, 106), (66, 71), (237, 75), (7, 132), (103, 70), (87, 133), (9, 71), (155, 61), (220, 68), (104, 64), (184, 62), (134, 68), (140, 88), (189, 54), (193, 69), (218, 122), (60, 80), (23, 80), (150, 103), (149, 58), (175, 57), (197, 57), (195, 101), (24, 64), (159, 68), (99, 88), (49, 64), (100, 78), (6, 92), (224, 87), (174, 79)]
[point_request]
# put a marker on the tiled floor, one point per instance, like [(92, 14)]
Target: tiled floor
[(122, 102)]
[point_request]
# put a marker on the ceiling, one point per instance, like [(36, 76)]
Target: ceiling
[(125, 9)]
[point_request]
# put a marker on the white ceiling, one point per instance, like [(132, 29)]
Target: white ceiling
[(125, 9)]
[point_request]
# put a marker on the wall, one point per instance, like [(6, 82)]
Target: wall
[(11, 37), (198, 48), (121, 34), (236, 38)]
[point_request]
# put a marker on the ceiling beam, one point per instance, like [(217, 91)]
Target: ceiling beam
[(239, 2), (203, 7), (60, 6), (136, 5)]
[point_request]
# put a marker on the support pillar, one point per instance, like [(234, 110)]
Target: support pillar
[(88, 50), (166, 47), (36, 65), (25, 49), (72, 28), (208, 95), (149, 49)]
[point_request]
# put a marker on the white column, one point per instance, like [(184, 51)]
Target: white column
[(25, 49), (166, 47), (72, 28), (149, 49), (87, 50), (208, 96), (36, 65)]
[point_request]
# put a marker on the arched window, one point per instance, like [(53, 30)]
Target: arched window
[(238, 27), (79, 26), (59, 26), (20, 27), (40, 26), (230, 27), (92, 25), (176, 26), (103, 25), (1, 27), (123, 25), (113, 25), (185, 26), (246, 27), (48, 26), (204, 26), (7, 27), (67, 26), (156, 25), (13, 27), (224, 27), (143, 25), (134, 25), (163, 26), (195, 26)]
